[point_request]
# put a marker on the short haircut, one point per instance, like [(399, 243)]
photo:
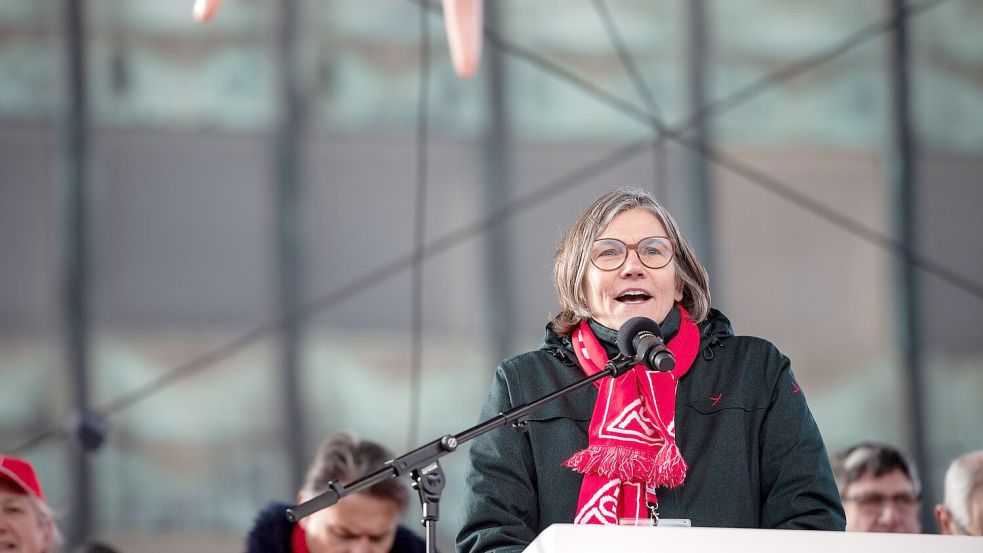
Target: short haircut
[(344, 457), (573, 256), (875, 459), (963, 479)]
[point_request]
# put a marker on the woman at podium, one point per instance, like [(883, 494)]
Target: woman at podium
[(725, 438)]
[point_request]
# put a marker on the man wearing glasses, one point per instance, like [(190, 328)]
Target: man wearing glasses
[(879, 488)]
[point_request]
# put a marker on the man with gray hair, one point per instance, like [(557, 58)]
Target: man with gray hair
[(961, 511), (879, 488)]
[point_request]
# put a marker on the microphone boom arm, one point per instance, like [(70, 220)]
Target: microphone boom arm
[(422, 463)]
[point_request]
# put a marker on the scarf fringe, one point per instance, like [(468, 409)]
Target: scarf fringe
[(666, 469)]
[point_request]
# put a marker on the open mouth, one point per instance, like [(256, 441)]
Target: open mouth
[(634, 296)]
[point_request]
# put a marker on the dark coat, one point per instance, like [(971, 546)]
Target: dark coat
[(756, 457), (272, 532)]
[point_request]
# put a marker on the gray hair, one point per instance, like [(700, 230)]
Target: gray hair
[(46, 517), (875, 459), (344, 457), (573, 256), (962, 479)]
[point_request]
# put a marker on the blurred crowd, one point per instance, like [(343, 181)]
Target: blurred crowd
[(879, 486)]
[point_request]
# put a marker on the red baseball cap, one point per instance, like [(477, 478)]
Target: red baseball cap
[(21, 473)]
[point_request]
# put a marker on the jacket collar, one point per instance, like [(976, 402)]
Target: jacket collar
[(717, 325)]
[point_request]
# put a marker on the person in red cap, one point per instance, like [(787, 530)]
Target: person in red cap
[(27, 523)]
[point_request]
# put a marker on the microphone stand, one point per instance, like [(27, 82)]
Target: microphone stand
[(422, 463)]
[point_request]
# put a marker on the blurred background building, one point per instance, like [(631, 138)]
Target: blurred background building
[(209, 234)]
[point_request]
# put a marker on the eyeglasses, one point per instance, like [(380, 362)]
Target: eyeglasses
[(875, 502), (608, 254)]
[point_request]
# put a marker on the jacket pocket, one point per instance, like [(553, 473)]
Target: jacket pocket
[(725, 400)]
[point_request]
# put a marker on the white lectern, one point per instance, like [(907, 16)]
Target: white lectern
[(576, 538)]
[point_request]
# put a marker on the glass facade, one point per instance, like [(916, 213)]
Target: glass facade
[(187, 124)]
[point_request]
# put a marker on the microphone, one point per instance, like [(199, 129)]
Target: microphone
[(640, 339)]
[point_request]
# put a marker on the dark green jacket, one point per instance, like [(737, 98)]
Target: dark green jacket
[(755, 455)]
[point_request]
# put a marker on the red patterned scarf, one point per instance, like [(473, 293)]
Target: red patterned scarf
[(631, 449)]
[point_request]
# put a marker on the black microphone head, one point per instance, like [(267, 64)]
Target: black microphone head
[(632, 328)]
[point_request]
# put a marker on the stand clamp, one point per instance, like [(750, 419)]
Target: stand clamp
[(429, 482)]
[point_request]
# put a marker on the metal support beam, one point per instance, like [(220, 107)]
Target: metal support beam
[(290, 226), (701, 226), (75, 244), (902, 162), (497, 172)]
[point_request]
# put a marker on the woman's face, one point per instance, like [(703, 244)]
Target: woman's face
[(632, 290)]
